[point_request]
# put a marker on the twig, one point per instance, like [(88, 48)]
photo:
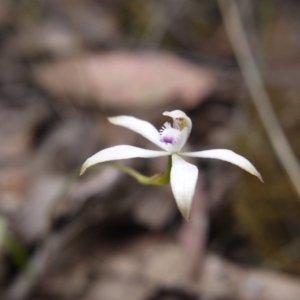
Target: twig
[(253, 79)]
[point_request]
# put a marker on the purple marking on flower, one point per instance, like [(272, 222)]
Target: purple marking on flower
[(168, 139), (169, 135)]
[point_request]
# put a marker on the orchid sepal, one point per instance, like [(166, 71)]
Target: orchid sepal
[(118, 153), (159, 179)]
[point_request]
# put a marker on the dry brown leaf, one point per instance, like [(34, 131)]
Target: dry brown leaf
[(126, 80)]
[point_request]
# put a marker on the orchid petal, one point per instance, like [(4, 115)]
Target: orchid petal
[(178, 114), (120, 152), (183, 182), (144, 128), (184, 134), (229, 156)]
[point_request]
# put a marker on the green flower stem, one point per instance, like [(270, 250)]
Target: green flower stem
[(157, 179)]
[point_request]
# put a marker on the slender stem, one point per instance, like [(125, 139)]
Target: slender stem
[(157, 179), (253, 79)]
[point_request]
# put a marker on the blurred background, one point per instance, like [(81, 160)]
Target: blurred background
[(65, 66)]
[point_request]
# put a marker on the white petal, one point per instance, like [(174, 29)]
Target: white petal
[(120, 152), (178, 114), (172, 139), (144, 128), (184, 134), (227, 155), (183, 182)]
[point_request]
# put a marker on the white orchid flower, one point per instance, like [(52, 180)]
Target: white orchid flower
[(182, 175)]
